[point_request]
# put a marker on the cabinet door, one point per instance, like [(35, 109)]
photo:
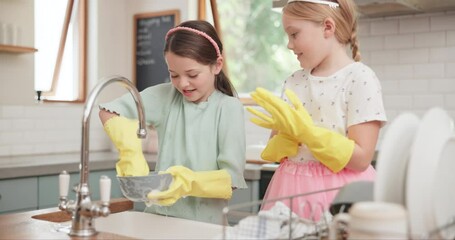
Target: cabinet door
[(18, 194), (48, 190), (48, 195), (245, 196)]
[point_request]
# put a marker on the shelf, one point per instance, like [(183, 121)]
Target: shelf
[(16, 49)]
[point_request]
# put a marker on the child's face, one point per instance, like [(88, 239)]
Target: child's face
[(195, 81), (306, 39)]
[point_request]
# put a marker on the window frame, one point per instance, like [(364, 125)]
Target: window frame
[(247, 101), (81, 53)]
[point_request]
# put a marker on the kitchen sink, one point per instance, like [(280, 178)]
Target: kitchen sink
[(142, 225), (138, 225)]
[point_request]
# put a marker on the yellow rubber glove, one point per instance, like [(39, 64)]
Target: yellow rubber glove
[(330, 148), (122, 132), (204, 184), (278, 147)]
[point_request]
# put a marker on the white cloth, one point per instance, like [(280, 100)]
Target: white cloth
[(270, 224)]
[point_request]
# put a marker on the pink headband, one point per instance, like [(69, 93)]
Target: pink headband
[(329, 3), (172, 30)]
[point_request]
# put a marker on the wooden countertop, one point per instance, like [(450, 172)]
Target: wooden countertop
[(42, 224)]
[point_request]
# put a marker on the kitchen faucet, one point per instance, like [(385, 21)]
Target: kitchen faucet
[(83, 210)]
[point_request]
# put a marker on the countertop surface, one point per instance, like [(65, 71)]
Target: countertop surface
[(23, 226), (52, 164), (122, 225)]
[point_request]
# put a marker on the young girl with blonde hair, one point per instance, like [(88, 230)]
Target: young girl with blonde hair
[(326, 125)]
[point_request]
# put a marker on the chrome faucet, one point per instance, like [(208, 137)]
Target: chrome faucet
[(83, 210)]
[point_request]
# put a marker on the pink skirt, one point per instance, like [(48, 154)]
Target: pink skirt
[(292, 178)]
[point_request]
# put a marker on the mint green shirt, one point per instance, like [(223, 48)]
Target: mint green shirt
[(202, 137)]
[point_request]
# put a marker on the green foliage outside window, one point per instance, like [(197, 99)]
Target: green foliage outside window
[(255, 45)]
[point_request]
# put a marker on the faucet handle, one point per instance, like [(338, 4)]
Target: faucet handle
[(105, 188), (64, 182)]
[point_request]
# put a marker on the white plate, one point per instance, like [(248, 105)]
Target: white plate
[(443, 190), (435, 129), (393, 158)]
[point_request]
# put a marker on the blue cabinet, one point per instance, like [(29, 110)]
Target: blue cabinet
[(18, 194), (31, 193), (246, 196)]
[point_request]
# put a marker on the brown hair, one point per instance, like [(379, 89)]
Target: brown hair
[(345, 17), (191, 45)]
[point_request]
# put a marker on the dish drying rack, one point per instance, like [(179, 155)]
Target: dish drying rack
[(240, 222), (279, 222)]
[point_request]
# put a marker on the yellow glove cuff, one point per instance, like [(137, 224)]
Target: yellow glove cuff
[(122, 132), (330, 148)]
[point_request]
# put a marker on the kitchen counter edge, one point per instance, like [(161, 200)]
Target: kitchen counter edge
[(52, 164)]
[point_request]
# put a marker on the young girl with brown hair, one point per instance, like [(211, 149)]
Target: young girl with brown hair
[(200, 127)]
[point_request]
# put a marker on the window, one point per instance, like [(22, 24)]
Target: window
[(255, 45), (60, 63)]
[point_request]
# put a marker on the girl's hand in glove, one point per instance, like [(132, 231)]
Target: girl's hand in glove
[(330, 148), (205, 184)]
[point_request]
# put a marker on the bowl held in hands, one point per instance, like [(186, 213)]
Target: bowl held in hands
[(136, 188)]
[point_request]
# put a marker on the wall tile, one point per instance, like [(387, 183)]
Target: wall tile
[(399, 41), (413, 86), (390, 87), (429, 70), (442, 85), (450, 38), (450, 70), (363, 29), (449, 100), (430, 39), (444, 22), (428, 101), (384, 57), (419, 55), (397, 102), (414, 25), (386, 27), (398, 72), (372, 43)]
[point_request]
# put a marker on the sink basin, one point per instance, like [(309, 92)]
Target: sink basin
[(131, 224), (142, 225)]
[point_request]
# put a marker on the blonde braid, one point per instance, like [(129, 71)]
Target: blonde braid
[(355, 43)]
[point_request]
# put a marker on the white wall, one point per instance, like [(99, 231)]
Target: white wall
[(30, 128), (414, 57), (16, 71)]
